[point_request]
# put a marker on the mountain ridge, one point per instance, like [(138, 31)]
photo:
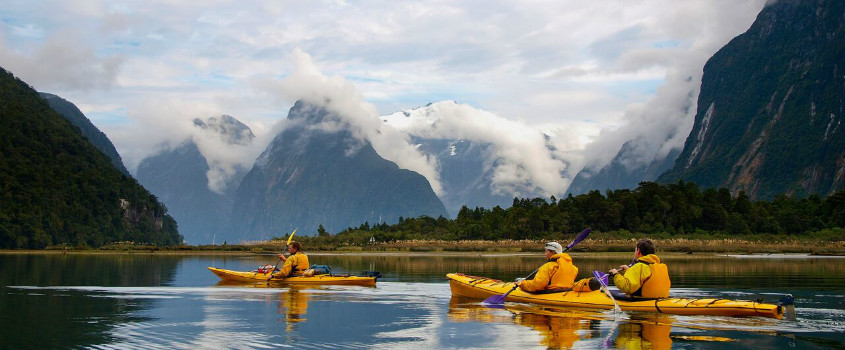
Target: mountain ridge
[(295, 183), (771, 107), (99, 139)]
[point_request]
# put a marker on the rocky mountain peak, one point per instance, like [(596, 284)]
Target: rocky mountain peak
[(233, 131)]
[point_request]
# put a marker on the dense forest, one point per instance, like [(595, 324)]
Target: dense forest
[(57, 188), (676, 209)]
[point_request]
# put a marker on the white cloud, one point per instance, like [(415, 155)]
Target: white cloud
[(63, 62), (340, 96), (663, 122), (590, 67), (520, 160)]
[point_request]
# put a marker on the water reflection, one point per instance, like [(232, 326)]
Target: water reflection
[(293, 305), (292, 300), (558, 329), (648, 334), (88, 269), (69, 318), (574, 328), (135, 301)]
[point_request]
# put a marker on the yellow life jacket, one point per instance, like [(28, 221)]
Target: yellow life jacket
[(296, 264), (301, 263), (657, 285), (557, 273), (566, 272)]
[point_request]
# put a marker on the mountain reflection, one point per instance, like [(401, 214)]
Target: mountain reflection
[(76, 319)]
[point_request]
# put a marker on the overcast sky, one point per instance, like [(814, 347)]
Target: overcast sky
[(588, 68)]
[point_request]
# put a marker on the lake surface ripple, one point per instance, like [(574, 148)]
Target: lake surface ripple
[(135, 301)]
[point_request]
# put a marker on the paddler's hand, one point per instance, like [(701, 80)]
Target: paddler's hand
[(282, 256), (613, 272), (623, 268)]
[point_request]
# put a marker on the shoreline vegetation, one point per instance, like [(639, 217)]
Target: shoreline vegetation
[(680, 217), (829, 242)]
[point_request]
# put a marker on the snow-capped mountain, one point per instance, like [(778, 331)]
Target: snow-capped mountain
[(483, 160)]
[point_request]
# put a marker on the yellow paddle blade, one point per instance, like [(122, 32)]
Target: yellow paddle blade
[(291, 236)]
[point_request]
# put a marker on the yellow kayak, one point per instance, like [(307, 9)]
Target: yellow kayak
[(482, 288), (262, 277)]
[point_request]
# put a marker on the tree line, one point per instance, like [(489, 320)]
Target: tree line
[(677, 209)]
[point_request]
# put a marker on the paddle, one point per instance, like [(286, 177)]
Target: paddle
[(280, 259), (600, 277), (500, 299)]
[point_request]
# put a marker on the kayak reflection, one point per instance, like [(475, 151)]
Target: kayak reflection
[(651, 333), (294, 305), (559, 332), (293, 300), (562, 329)]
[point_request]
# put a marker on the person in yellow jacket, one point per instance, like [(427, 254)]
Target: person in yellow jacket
[(295, 264), (647, 277), (557, 273)]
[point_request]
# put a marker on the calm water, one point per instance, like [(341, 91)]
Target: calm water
[(138, 301)]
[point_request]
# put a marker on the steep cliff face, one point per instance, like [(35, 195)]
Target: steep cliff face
[(310, 176), (772, 105)]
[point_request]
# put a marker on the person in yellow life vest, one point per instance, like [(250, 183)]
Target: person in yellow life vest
[(647, 277), (295, 264), (557, 273)]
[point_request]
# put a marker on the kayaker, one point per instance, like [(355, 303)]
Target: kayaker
[(295, 264), (647, 277), (558, 273)]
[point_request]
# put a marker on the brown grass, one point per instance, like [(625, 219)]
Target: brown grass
[(598, 243)]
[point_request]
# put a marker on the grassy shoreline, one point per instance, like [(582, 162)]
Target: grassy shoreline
[(598, 244)]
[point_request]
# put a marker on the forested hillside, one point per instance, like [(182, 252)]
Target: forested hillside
[(57, 188)]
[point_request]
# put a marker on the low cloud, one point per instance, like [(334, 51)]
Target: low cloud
[(521, 162), (659, 125), (159, 126), (62, 62), (306, 82), (663, 122)]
